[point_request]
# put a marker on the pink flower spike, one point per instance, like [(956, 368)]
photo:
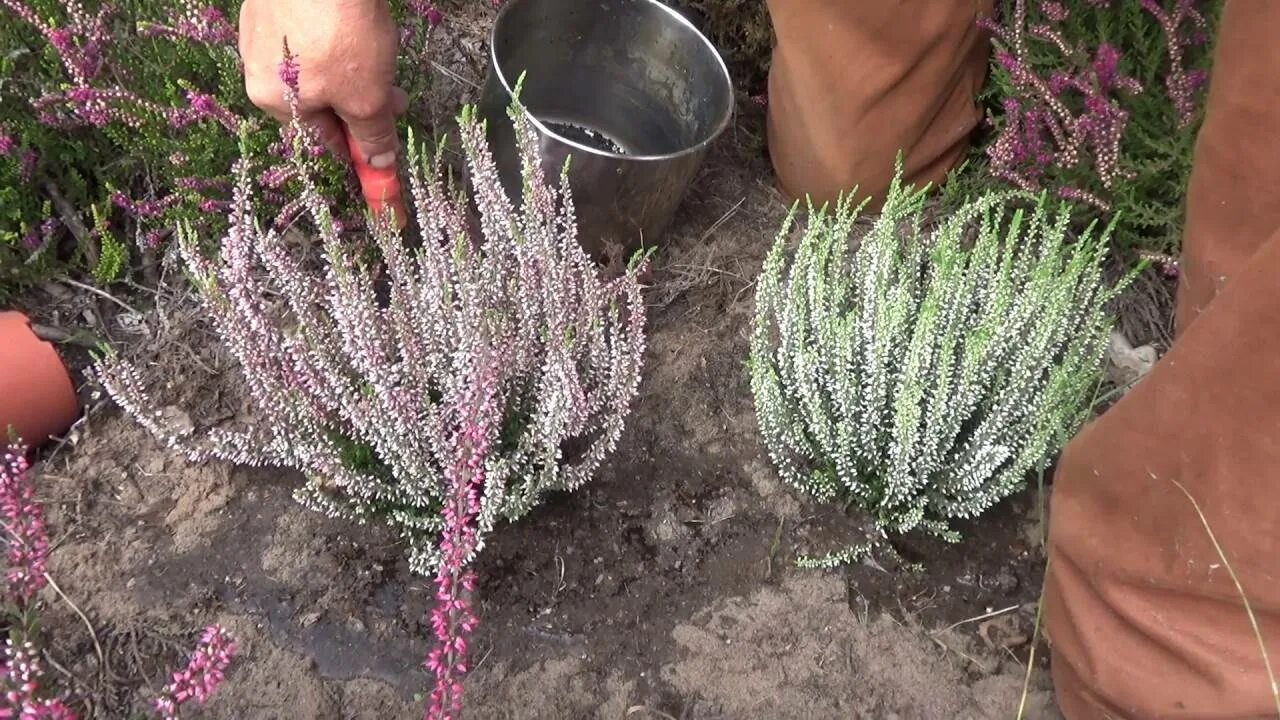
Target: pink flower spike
[(202, 675), (28, 546)]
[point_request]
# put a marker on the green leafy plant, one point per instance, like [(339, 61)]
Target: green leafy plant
[(921, 373)]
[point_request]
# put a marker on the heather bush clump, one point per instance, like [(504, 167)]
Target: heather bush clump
[(920, 373), (1098, 102), (119, 120), (437, 389)]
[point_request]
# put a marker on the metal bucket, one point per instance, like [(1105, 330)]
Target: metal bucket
[(629, 88)]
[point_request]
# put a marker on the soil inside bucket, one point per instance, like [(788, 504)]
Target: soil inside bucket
[(583, 135)]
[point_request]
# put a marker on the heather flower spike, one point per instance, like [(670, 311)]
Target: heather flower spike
[(1179, 83), (21, 673), (194, 22), (26, 540), (202, 675)]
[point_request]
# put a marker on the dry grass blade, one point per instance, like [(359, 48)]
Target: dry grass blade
[(1248, 609), (1035, 638), (93, 633), (984, 616), (649, 711), (101, 294)]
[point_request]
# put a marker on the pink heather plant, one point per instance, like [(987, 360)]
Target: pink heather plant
[(79, 43), (436, 389), (202, 675), (1045, 130), (26, 553), (1077, 108), (156, 86)]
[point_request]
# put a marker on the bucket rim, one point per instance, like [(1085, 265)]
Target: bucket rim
[(496, 68)]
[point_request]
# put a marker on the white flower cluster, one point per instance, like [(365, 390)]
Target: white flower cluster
[(922, 374), (363, 384)]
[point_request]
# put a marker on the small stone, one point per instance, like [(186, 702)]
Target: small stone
[(1005, 581), (176, 419), (664, 528), (309, 619)]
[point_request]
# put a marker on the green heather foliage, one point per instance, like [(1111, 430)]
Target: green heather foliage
[(921, 373), (120, 121)]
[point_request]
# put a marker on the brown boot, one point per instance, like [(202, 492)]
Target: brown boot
[(853, 82), (1142, 614)]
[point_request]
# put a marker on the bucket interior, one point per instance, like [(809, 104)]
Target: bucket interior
[(625, 77)]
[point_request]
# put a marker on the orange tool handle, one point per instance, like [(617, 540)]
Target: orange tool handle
[(381, 188)]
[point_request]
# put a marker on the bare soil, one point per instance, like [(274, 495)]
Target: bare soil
[(665, 589)]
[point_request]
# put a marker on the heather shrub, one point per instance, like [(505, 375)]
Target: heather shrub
[(119, 120), (436, 389), (24, 691), (920, 372), (1098, 102)]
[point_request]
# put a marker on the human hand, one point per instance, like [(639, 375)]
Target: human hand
[(346, 55)]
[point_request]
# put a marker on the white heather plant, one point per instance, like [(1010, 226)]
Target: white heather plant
[(497, 368), (921, 374)]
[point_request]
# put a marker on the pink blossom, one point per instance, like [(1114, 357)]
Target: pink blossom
[(21, 670), (1105, 61), (1180, 85), (27, 162), (198, 23), (152, 238), (1055, 11), (427, 11), (452, 618), (97, 107), (202, 675), (202, 106), (289, 69), (1044, 128), (79, 43), (27, 547)]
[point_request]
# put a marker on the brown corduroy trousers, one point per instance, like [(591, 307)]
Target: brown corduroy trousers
[(1143, 616)]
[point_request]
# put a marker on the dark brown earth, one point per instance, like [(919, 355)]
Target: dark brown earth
[(667, 588)]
